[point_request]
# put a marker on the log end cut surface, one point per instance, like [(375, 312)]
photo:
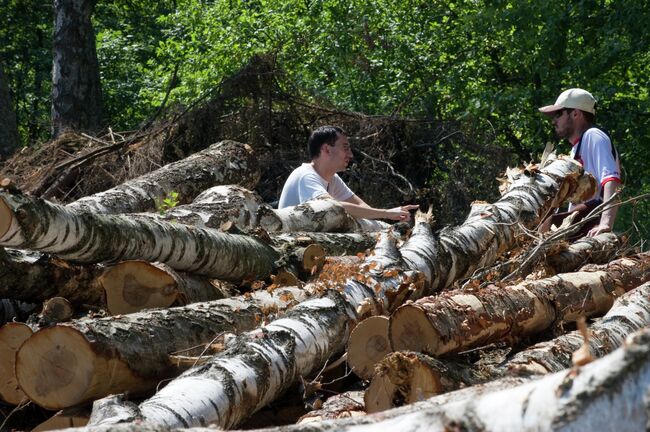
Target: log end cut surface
[(12, 336), (368, 344), (411, 330), (132, 286), (6, 216), (55, 367), (401, 379)]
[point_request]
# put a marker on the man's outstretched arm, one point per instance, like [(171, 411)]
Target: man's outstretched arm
[(609, 216)]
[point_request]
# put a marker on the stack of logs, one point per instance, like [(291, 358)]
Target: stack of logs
[(205, 309)]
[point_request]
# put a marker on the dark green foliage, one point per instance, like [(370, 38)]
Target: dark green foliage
[(487, 64)]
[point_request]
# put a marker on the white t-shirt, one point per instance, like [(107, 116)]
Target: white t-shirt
[(304, 184), (597, 159)]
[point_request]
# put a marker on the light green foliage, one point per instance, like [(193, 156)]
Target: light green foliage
[(167, 203)]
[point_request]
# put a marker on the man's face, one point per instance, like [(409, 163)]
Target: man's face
[(563, 123), (340, 153)]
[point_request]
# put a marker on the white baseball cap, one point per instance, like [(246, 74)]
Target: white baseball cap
[(572, 98)]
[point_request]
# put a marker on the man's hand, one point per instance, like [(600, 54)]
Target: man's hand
[(401, 213), (598, 229)]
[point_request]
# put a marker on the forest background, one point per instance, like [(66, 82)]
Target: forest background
[(462, 79)]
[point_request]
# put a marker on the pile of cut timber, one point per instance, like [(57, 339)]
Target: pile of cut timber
[(205, 311)]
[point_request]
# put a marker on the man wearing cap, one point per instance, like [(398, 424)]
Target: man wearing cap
[(573, 117)]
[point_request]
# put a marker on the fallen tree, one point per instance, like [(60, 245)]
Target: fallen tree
[(36, 224), (457, 320), (405, 377), (223, 163), (82, 360), (255, 370)]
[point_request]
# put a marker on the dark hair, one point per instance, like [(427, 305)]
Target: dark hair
[(322, 135), (588, 116)]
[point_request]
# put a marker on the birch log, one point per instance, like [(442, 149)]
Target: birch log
[(320, 215), (608, 394), (381, 282), (132, 286), (36, 224), (595, 250), (457, 320), (404, 377), (36, 277), (72, 363), (223, 163)]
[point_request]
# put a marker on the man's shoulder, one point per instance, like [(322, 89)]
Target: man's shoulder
[(596, 134)]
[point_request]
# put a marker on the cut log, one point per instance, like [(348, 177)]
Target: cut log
[(72, 363), (132, 286), (344, 405), (588, 250), (406, 377), (255, 369), (320, 215), (630, 313), (36, 277), (368, 344), (55, 310), (91, 238), (12, 336), (223, 163), (401, 371), (217, 205), (457, 320)]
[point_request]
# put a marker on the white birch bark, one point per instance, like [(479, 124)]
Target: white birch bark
[(82, 360), (319, 215), (253, 371), (226, 162)]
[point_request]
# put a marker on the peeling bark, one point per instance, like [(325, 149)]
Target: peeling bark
[(344, 405), (79, 361), (36, 277), (458, 320), (223, 163)]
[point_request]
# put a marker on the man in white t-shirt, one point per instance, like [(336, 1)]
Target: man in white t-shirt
[(573, 118), (329, 149)]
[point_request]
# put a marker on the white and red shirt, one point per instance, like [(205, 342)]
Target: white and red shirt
[(598, 158), (304, 184)]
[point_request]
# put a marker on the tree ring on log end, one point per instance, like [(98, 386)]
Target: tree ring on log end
[(368, 344), (55, 366), (314, 255), (131, 286), (6, 217), (410, 329), (12, 336)]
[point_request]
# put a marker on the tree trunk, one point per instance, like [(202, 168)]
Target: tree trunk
[(404, 377), (457, 320), (36, 277), (132, 286), (255, 370), (12, 336), (9, 139), (630, 313), (316, 216), (75, 362), (608, 394), (600, 249), (76, 86), (223, 163), (36, 224)]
